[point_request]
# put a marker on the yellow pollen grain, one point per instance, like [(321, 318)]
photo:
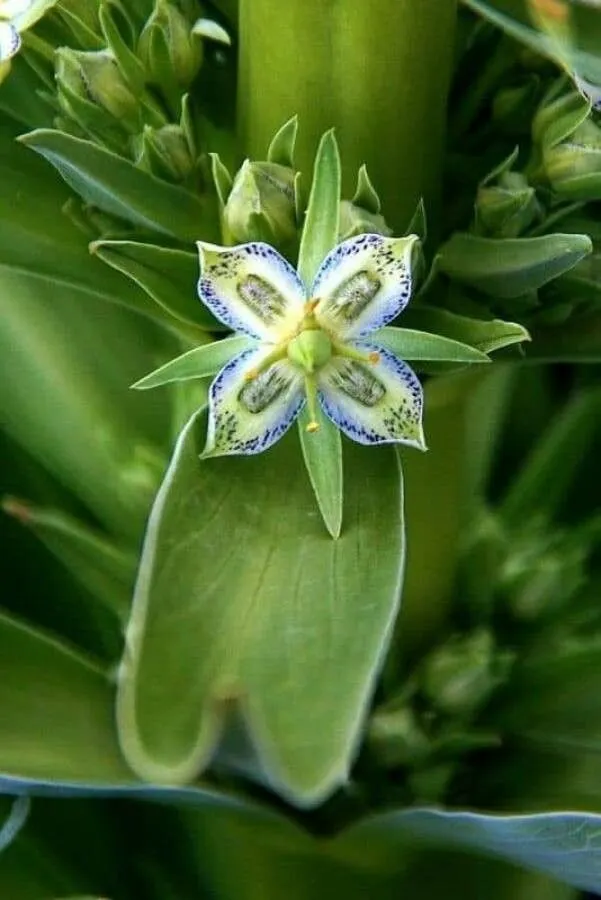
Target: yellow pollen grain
[(311, 306), (312, 427), (374, 357), (251, 375)]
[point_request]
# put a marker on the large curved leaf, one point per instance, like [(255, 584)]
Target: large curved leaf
[(243, 601)]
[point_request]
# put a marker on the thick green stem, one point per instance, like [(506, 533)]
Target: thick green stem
[(377, 71)]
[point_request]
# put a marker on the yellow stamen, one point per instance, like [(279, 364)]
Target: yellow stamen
[(312, 427), (311, 306), (276, 355), (311, 392), (372, 358)]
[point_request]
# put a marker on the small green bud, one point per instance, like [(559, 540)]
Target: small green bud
[(310, 350), (168, 49), (354, 221), (397, 739), (542, 573), (506, 209), (514, 106), (167, 153), (571, 166), (89, 83), (459, 677), (261, 205)]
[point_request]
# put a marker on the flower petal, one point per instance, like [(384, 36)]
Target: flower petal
[(10, 41), (251, 288), (249, 416), (364, 283), (377, 403)]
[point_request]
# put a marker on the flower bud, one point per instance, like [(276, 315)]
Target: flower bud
[(354, 220), (261, 205), (507, 208), (459, 677), (167, 153), (397, 739), (573, 167), (514, 106), (92, 90), (167, 48)]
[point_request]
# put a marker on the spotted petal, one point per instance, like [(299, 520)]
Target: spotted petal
[(363, 284), (377, 403), (248, 416), (251, 288), (10, 41)]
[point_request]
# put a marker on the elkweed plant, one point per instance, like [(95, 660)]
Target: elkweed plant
[(328, 664)]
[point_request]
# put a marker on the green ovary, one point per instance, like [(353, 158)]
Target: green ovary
[(310, 350)]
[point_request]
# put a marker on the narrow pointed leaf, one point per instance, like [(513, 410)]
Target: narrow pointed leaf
[(167, 275), (320, 231), (98, 564), (16, 819), (486, 335), (416, 345), (200, 362), (322, 453), (281, 149), (510, 267), (116, 186), (323, 457), (293, 630)]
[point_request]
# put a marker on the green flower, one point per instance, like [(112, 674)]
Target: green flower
[(307, 344)]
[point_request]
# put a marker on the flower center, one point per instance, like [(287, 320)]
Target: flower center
[(310, 350)]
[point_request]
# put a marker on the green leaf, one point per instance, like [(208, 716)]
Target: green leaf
[(281, 149), (167, 275), (197, 363), (292, 631), (103, 568), (545, 478), (116, 186), (564, 845), (486, 335), (17, 817), (512, 16), (366, 195), (416, 345), (577, 340), (73, 712), (320, 231), (510, 267), (322, 457), (322, 453)]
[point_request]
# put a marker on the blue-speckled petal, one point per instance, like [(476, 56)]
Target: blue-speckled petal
[(249, 416), (379, 403), (363, 284), (10, 42), (252, 289)]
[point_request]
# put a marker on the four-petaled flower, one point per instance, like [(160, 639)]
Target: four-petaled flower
[(307, 345)]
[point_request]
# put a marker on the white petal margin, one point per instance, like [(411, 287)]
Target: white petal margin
[(251, 288), (10, 41), (364, 283), (379, 403), (248, 416)]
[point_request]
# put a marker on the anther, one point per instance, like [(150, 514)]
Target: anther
[(312, 427), (374, 357)]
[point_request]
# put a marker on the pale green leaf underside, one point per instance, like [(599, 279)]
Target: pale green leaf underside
[(200, 362), (293, 630), (510, 267)]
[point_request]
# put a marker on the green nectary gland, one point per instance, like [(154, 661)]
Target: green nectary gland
[(310, 350)]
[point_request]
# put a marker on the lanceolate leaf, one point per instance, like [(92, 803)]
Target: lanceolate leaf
[(167, 275), (420, 345), (322, 451), (486, 335), (197, 363), (510, 267), (116, 186), (291, 632)]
